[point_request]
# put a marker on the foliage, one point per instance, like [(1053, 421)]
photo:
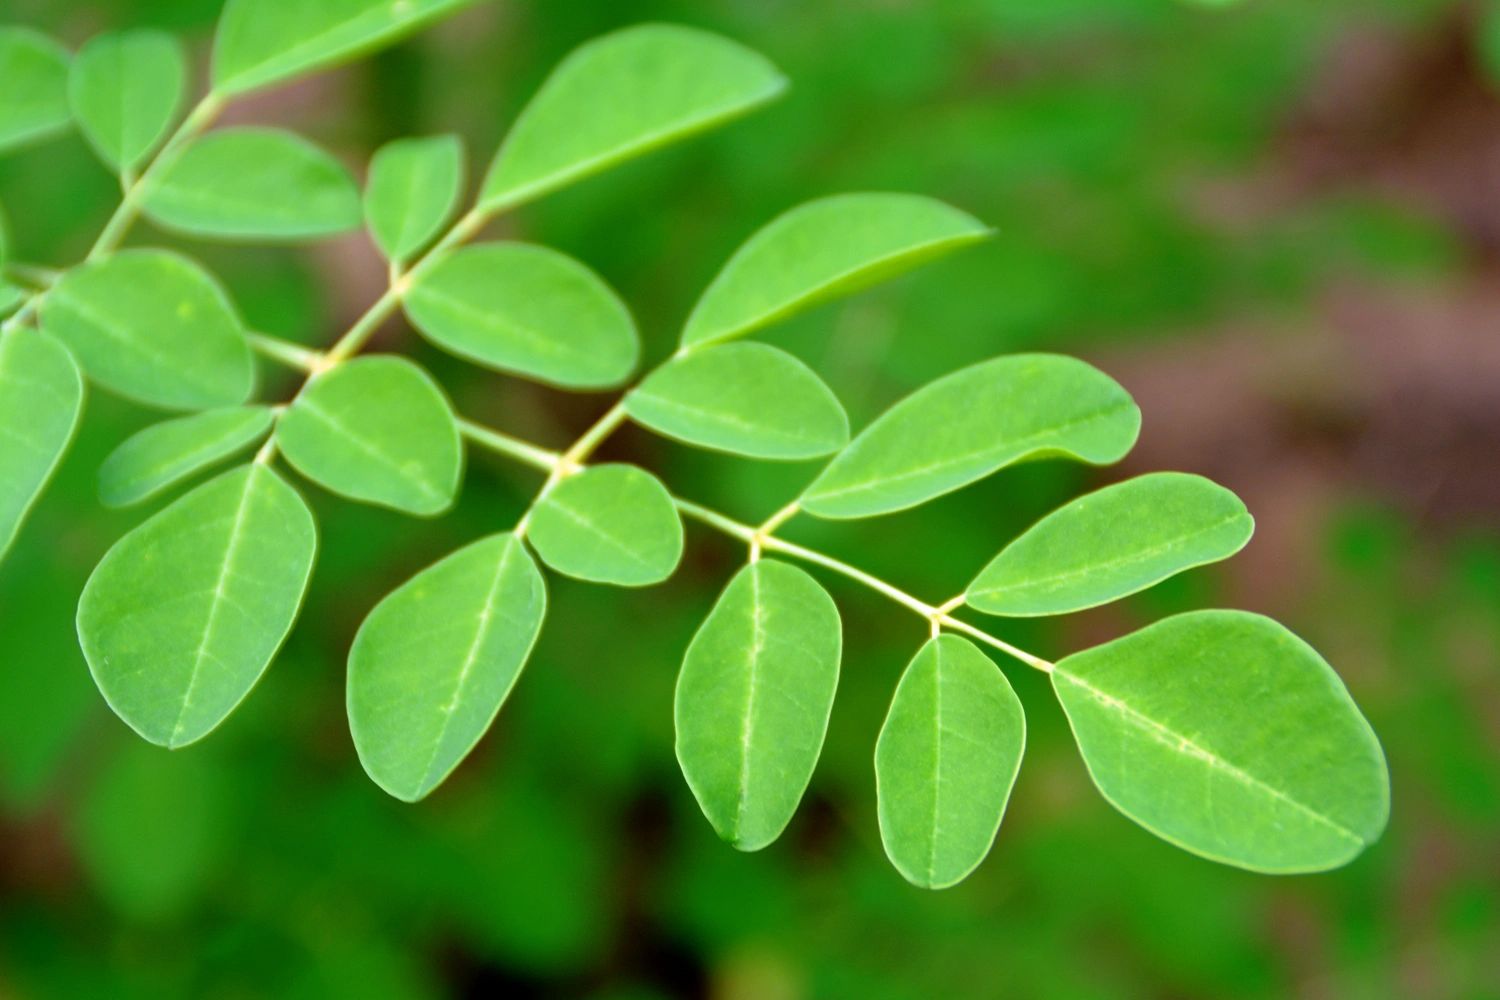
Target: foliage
[(1219, 731)]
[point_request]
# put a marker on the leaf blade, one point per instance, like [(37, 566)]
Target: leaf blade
[(610, 523), (822, 250), (412, 190), (125, 89), (34, 104), (376, 429), (161, 455), (1216, 714), (716, 398), (763, 668), (952, 705), (664, 82), (183, 615), (41, 397), (392, 693), (1112, 543), (971, 423)]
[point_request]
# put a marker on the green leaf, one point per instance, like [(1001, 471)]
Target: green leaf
[(527, 310), (1113, 542), (946, 761), (622, 95), (262, 42), (34, 98), (435, 660), (164, 454), (41, 394), (413, 188), (753, 700), (748, 399), (609, 524), (182, 616), (824, 250), (376, 429), (155, 327), (1225, 734), (966, 425), (255, 184), (11, 297), (125, 89)]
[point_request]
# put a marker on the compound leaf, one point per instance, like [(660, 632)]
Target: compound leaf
[(125, 89), (946, 761), (155, 327), (255, 184), (748, 399), (620, 96), (412, 190), (1113, 542), (527, 310), (263, 42), (971, 423), (609, 524), (433, 663), (1225, 734), (34, 98), (41, 394), (166, 453), (182, 616), (376, 429), (753, 700), (823, 250)]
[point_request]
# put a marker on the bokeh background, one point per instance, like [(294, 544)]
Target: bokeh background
[(1277, 223)]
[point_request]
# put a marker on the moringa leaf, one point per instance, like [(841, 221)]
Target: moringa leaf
[(945, 763), (824, 250), (11, 297), (376, 429), (263, 42), (255, 184), (622, 95), (1113, 542), (155, 327), (747, 399), (433, 663), (971, 423), (164, 454), (41, 394), (1225, 734), (125, 89), (413, 188), (527, 310), (34, 97), (609, 524), (182, 616), (753, 700)]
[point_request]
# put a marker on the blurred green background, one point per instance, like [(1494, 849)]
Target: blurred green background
[(1278, 224)]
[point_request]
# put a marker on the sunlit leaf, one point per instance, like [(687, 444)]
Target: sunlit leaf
[(155, 327), (1227, 735), (748, 399), (1111, 543), (609, 524), (971, 423), (945, 762), (125, 89), (164, 454), (255, 184), (435, 660), (413, 188), (11, 298), (376, 429), (753, 700), (33, 87), (182, 616), (41, 394), (527, 310), (262, 42), (823, 250), (620, 96)]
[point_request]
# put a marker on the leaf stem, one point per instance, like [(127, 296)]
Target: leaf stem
[(289, 354)]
